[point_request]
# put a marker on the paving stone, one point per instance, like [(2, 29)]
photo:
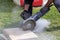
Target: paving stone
[(19, 34), (2, 37)]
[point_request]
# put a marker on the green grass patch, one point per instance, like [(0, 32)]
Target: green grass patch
[(9, 12)]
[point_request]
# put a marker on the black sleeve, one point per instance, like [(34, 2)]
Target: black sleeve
[(28, 1)]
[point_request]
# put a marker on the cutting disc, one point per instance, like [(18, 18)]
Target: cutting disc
[(29, 25)]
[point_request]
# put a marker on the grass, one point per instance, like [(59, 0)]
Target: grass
[(9, 13)]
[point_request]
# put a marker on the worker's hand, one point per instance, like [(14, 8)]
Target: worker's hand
[(25, 15)]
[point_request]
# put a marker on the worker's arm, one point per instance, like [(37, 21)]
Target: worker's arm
[(46, 8), (27, 9), (49, 3)]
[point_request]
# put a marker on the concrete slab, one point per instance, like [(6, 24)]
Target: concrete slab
[(19, 34), (2, 37)]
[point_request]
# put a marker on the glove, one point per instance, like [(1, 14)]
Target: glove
[(25, 14)]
